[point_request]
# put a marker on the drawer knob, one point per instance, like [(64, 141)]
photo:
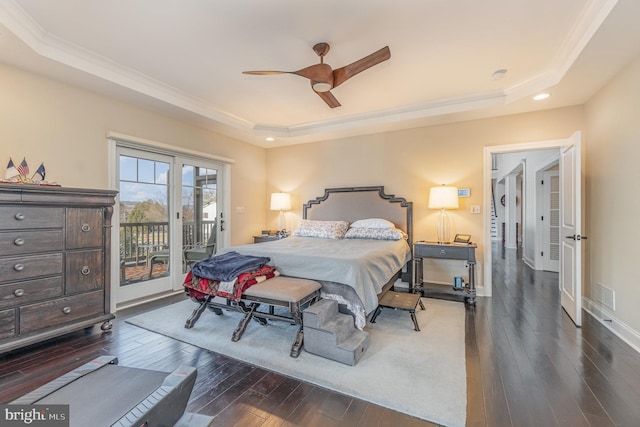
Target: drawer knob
[(19, 216), (19, 241), (85, 270), (66, 310), (19, 292), (443, 252), (18, 267), (85, 227)]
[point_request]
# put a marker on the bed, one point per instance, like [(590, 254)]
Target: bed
[(355, 272)]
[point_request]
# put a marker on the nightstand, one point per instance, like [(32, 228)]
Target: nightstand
[(267, 238), (445, 251)]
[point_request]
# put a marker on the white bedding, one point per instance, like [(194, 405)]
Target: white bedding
[(363, 264)]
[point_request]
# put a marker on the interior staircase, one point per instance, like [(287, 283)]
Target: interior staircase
[(331, 334), (494, 222)]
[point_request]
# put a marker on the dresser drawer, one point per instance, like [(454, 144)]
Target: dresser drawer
[(84, 228), (59, 311), (84, 271), (17, 217), (466, 253), (27, 267), (28, 291), (30, 241), (7, 324)]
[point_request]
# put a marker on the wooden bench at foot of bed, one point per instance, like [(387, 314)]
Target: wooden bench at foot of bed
[(288, 292)]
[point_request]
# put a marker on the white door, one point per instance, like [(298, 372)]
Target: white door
[(571, 229)]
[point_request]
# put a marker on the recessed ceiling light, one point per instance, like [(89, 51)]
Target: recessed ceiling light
[(270, 138), (498, 74), (541, 96)]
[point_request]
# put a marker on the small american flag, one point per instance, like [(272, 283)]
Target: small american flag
[(23, 168)]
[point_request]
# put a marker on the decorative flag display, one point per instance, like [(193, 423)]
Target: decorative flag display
[(23, 168), (40, 172), (11, 170)]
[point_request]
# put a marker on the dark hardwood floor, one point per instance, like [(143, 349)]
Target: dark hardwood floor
[(527, 365)]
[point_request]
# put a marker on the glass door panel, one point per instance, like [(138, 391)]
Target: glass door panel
[(199, 213), (145, 228)]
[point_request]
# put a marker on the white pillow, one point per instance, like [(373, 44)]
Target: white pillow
[(375, 233), (323, 229), (373, 223)]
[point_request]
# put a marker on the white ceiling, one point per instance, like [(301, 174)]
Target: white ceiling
[(185, 57)]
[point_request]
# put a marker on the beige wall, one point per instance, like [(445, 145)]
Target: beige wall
[(612, 204), (66, 128), (409, 162)]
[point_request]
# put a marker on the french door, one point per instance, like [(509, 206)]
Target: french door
[(169, 207)]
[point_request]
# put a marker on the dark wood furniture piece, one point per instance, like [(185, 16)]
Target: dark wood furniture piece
[(445, 251), (400, 301), (54, 262)]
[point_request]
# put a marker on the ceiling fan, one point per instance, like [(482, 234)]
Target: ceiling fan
[(323, 78)]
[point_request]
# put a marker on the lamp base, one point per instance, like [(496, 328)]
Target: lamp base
[(444, 228)]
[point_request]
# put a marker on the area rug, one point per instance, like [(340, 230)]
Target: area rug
[(418, 373)]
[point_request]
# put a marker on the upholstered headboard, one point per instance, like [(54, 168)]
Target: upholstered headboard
[(353, 203)]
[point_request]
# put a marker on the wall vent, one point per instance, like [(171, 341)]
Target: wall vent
[(606, 296)]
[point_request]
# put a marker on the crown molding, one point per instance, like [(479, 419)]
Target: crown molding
[(47, 45)]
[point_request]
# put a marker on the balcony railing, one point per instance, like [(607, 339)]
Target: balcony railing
[(138, 239)]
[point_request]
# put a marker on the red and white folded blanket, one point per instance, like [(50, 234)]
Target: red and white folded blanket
[(199, 287)]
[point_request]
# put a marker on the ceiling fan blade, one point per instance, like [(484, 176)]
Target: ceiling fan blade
[(329, 99), (343, 74), (316, 73)]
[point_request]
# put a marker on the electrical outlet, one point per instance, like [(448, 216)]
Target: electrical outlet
[(475, 209)]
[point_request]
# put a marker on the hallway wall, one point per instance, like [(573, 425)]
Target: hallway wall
[(612, 204)]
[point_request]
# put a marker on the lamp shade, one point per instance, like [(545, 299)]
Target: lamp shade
[(280, 201), (443, 197)]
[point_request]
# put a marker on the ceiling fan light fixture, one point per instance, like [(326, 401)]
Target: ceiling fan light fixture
[(321, 87)]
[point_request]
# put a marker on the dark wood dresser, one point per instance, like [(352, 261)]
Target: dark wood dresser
[(54, 262)]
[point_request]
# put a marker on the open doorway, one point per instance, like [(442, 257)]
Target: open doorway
[(514, 169), (538, 158)]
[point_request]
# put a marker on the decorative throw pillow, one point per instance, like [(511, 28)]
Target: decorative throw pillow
[(373, 223), (323, 229), (375, 233)]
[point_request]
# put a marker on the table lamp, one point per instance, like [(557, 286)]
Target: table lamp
[(443, 198), (281, 202)]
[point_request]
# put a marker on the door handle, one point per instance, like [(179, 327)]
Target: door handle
[(576, 237)]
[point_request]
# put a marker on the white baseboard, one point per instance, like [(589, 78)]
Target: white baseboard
[(604, 316), (529, 262)]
